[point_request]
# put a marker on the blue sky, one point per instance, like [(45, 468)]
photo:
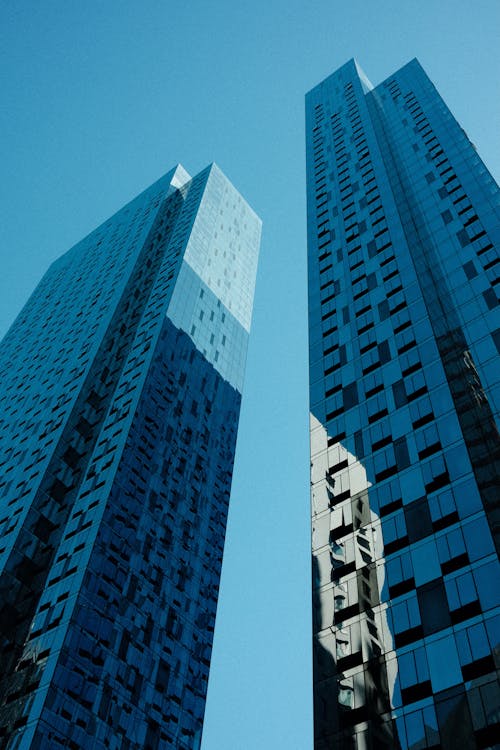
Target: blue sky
[(99, 99)]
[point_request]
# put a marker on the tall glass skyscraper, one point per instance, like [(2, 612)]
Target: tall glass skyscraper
[(403, 231), (119, 403)]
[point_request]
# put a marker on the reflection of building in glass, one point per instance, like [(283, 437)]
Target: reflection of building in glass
[(120, 399), (403, 226), (350, 625)]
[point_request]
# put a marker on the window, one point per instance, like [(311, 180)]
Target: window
[(470, 270)]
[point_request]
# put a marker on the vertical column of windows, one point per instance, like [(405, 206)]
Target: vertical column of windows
[(352, 550), (460, 209)]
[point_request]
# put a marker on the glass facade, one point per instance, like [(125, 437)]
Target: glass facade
[(120, 399), (404, 328)]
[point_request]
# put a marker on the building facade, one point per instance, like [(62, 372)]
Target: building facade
[(121, 390), (404, 326)]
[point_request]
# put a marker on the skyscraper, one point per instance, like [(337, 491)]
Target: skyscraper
[(121, 389), (404, 324)]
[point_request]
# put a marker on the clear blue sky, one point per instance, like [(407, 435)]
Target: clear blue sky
[(99, 99)]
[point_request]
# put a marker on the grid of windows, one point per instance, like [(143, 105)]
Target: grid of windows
[(404, 394), (120, 422)]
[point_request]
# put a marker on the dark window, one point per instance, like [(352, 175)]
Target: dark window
[(383, 310), (418, 519), (399, 393), (351, 395), (496, 339), (454, 718), (384, 352), (470, 270), (401, 453), (162, 676), (490, 298), (433, 606), (358, 444)]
